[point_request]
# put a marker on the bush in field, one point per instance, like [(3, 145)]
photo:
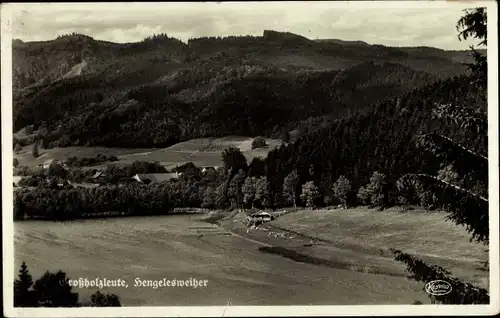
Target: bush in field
[(99, 299), (56, 169), (34, 150), (407, 193), (309, 193), (426, 198), (363, 195), (17, 147), (374, 192), (341, 189)]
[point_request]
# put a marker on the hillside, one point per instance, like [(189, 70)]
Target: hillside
[(161, 91), (387, 138)]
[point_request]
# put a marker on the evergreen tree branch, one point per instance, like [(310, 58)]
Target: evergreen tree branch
[(461, 293)]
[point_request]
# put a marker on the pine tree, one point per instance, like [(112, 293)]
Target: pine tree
[(464, 206), (234, 160), (248, 190), (290, 187), (262, 192), (24, 296), (474, 25), (235, 186)]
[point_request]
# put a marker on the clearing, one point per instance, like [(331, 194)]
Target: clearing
[(201, 152)]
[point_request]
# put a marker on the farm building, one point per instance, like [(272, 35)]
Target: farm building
[(259, 218), (156, 177), (98, 176)]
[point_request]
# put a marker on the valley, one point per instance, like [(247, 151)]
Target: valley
[(281, 169)]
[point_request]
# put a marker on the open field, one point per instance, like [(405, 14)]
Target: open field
[(361, 238), (351, 262), (174, 247), (201, 152), (26, 158)]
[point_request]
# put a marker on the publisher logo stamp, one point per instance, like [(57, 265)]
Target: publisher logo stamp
[(438, 287)]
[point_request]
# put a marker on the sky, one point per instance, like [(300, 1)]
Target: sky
[(405, 23)]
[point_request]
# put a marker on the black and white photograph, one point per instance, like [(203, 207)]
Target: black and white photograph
[(250, 158)]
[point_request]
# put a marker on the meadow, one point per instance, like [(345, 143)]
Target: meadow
[(361, 237), (201, 152)]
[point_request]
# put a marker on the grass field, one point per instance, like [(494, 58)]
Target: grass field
[(201, 152), (360, 239), (172, 247)]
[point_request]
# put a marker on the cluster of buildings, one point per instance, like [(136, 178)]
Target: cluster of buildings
[(148, 178), (102, 177)]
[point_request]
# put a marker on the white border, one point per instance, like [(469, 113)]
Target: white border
[(241, 311)]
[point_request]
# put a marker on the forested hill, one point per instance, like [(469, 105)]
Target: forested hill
[(93, 110), (388, 137), (161, 91), (38, 63)]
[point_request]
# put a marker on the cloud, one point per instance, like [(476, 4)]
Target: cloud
[(390, 23)]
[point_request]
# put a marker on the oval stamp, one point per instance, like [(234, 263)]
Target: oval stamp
[(438, 287)]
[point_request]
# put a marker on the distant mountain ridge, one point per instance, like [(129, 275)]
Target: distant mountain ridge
[(47, 61)]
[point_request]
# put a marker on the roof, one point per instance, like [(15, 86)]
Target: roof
[(260, 214), (155, 177), (98, 174)]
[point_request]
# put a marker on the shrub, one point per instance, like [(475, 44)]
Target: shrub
[(341, 189), (17, 147), (34, 151), (374, 192), (309, 193)]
